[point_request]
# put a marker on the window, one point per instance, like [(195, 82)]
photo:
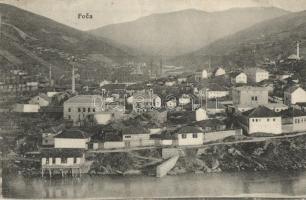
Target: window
[(69, 109), (253, 120), (194, 135), (93, 110), (74, 160), (46, 141), (256, 120), (79, 109), (268, 119), (47, 161), (274, 119), (184, 135), (127, 136), (84, 109), (53, 160), (88, 109), (69, 116)]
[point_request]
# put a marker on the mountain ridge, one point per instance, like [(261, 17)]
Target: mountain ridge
[(179, 32)]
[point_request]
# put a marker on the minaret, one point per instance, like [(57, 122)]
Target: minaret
[(298, 49), (73, 81), (50, 75)]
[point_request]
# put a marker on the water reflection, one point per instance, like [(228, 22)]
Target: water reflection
[(225, 184)]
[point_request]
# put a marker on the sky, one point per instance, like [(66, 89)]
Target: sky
[(106, 12)]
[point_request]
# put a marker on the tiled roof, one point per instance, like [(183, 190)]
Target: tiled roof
[(189, 129), (292, 89), (73, 134), (251, 88), (134, 130), (57, 152), (216, 87), (83, 99), (260, 111), (255, 70), (209, 123), (292, 112)]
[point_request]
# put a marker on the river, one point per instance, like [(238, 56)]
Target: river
[(280, 184)]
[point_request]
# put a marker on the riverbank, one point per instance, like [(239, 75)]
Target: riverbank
[(269, 155)]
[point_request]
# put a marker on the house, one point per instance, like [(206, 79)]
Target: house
[(276, 107), (200, 114), (77, 108), (41, 100), (63, 161), (185, 99), (260, 119), (134, 136), (216, 91), (256, 74), (107, 138), (212, 90), (248, 95), (145, 101), (293, 120), (189, 135), (26, 108), (71, 138), (294, 94), (219, 71), (103, 118), (238, 77)]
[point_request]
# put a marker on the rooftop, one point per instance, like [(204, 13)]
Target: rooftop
[(83, 99), (57, 152), (189, 129), (260, 111), (73, 134), (292, 89), (256, 70), (292, 112), (251, 88)]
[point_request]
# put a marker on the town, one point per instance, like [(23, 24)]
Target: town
[(64, 130)]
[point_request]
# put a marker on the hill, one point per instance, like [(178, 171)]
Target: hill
[(271, 40), (32, 42), (175, 33)]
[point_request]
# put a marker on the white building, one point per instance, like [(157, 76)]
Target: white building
[(200, 114), (239, 77), (293, 120), (189, 135), (260, 120), (257, 74), (215, 91), (248, 95), (41, 100), (77, 108), (294, 95), (26, 108), (220, 71), (204, 74), (72, 139)]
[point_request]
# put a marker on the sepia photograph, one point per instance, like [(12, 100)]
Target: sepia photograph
[(153, 99)]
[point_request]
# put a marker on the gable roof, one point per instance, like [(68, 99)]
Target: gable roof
[(234, 74), (260, 111), (189, 129), (73, 134), (292, 89), (292, 112), (82, 99)]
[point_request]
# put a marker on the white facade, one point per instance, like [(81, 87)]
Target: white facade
[(26, 108), (71, 143), (37, 100), (216, 94), (190, 139), (201, 114), (70, 161), (184, 99), (204, 74), (257, 75), (240, 78), (299, 123), (297, 96), (265, 125), (103, 118), (220, 71)]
